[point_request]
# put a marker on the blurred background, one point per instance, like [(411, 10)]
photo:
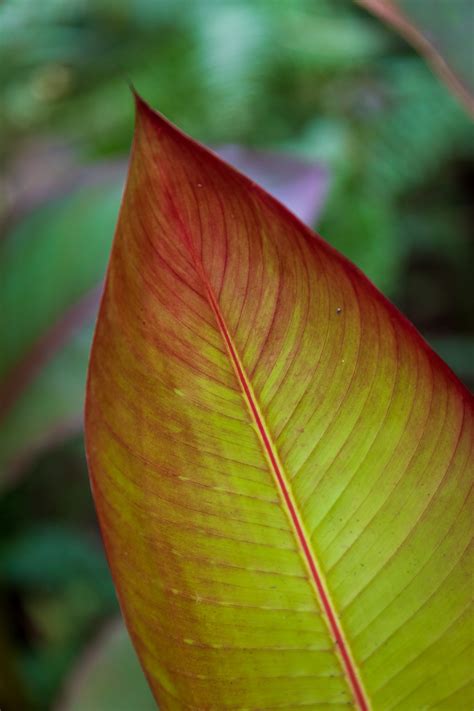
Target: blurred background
[(318, 99)]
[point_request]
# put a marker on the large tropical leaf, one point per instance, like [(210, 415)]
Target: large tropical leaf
[(280, 463)]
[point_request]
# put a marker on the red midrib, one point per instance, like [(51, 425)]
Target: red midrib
[(322, 594), (333, 624)]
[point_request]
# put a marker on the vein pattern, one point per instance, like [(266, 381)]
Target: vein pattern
[(262, 425)]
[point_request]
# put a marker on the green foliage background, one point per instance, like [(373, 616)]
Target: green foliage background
[(318, 78)]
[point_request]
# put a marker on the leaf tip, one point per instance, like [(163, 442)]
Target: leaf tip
[(142, 108), (144, 112)]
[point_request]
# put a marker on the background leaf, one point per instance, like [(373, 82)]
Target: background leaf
[(49, 295), (442, 31), (109, 677)]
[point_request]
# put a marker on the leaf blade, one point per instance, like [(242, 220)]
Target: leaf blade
[(281, 480), (176, 459)]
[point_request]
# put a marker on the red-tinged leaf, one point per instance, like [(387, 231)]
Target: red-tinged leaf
[(442, 31), (47, 322), (281, 465)]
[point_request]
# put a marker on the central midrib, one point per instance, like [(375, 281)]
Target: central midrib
[(315, 574), (310, 560)]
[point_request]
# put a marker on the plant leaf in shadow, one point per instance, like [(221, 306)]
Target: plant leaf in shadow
[(109, 676), (442, 32)]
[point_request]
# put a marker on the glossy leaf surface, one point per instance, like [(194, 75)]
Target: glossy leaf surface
[(440, 30), (281, 465)]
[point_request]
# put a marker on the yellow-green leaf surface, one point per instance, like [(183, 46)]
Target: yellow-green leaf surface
[(281, 465)]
